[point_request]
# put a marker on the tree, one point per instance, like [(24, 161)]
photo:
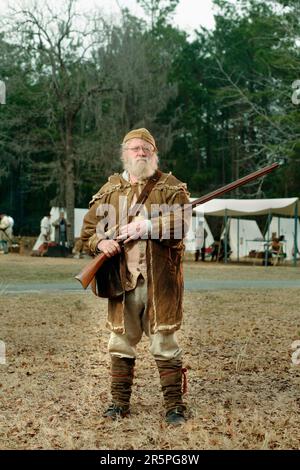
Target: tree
[(17, 118), (159, 11), (139, 60), (233, 108), (257, 56), (60, 56)]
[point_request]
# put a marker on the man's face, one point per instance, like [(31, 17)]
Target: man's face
[(139, 148), (139, 158)]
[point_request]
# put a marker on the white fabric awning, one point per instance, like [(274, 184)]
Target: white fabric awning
[(240, 207)]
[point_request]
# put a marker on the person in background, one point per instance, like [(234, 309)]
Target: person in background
[(78, 249), (61, 231), (45, 234), (199, 239), (12, 222), (46, 228), (6, 231), (203, 248)]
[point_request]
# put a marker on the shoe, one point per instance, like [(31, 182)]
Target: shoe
[(175, 416), (114, 412)]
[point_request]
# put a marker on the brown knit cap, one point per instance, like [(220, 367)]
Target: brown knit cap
[(141, 133)]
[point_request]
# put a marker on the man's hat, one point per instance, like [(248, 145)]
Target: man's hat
[(141, 133)]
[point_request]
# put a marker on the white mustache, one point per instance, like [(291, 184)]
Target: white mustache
[(142, 167)]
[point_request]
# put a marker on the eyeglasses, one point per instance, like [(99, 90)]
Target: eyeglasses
[(146, 150)]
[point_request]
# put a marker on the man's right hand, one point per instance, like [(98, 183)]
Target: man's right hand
[(109, 247)]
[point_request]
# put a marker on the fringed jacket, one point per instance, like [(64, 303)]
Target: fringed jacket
[(164, 247)]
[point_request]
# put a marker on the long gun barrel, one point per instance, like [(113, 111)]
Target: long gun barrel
[(235, 184), (88, 273)]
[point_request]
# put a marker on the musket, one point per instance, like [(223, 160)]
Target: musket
[(89, 271)]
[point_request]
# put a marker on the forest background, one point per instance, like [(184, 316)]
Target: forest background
[(220, 105)]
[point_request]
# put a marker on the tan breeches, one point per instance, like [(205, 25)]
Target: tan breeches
[(163, 346)]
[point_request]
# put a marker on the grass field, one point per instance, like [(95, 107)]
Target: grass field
[(243, 390)]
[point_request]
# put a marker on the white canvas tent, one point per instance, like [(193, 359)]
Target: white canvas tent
[(78, 219), (55, 211), (244, 236), (190, 239), (227, 208), (79, 215), (243, 207)]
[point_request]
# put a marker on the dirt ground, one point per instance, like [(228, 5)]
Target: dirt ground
[(243, 389)]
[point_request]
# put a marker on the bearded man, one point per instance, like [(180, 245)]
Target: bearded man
[(149, 250)]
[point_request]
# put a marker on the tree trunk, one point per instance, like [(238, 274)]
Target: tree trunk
[(70, 185)]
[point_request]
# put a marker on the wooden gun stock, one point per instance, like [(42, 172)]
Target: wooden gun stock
[(88, 273)]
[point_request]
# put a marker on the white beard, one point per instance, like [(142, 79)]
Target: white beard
[(142, 168)]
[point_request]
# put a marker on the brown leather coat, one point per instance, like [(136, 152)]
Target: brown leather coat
[(163, 254)]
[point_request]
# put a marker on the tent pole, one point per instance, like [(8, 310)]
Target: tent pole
[(268, 238), (295, 233), (226, 235), (238, 239)]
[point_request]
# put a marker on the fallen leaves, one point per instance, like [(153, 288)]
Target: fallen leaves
[(236, 348)]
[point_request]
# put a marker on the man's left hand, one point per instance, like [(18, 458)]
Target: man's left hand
[(133, 231)]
